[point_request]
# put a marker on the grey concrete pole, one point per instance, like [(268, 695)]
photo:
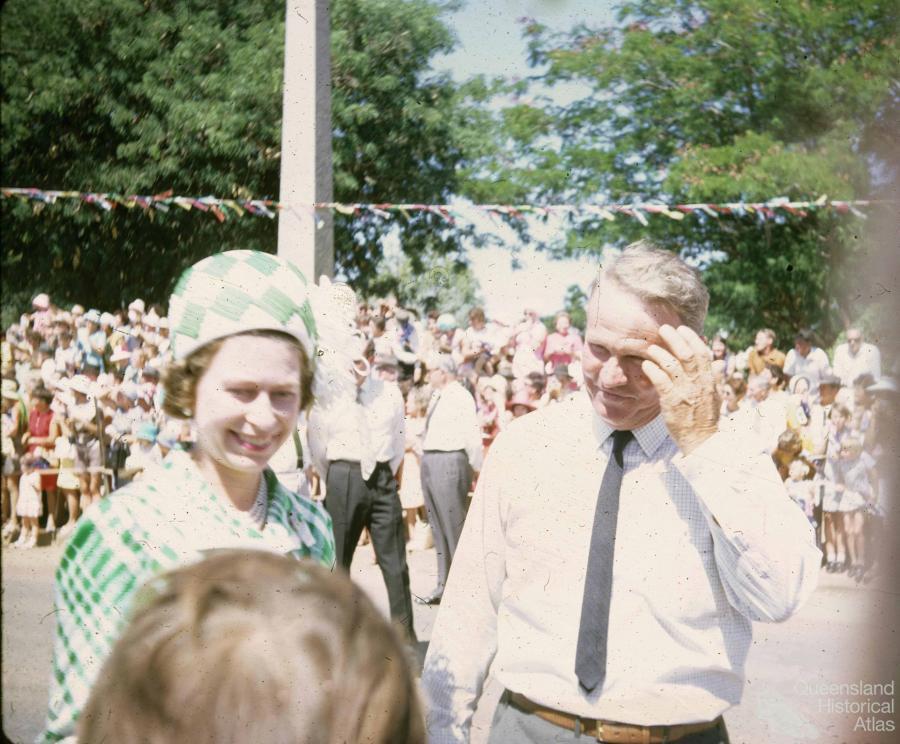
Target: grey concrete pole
[(304, 237)]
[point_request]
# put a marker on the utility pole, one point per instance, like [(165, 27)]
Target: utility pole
[(306, 237)]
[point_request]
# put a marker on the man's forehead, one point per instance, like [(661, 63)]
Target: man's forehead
[(609, 303), (629, 340)]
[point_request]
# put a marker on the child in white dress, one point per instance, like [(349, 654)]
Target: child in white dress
[(30, 506), (411, 497)]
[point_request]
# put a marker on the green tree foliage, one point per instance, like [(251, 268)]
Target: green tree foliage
[(445, 284), (132, 96), (575, 304), (717, 101)]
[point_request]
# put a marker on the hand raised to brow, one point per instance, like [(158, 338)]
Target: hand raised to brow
[(683, 378)]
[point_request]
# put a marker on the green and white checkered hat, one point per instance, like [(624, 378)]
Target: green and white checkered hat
[(240, 291)]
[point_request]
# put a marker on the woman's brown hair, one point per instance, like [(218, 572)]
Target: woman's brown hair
[(181, 376), (248, 646)]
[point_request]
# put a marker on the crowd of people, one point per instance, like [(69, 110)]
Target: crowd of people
[(218, 432), (824, 421), (82, 410)]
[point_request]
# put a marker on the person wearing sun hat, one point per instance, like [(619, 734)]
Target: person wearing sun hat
[(15, 424), (244, 337), (42, 317), (92, 341)]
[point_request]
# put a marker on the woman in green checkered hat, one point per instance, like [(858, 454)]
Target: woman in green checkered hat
[(244, 336)]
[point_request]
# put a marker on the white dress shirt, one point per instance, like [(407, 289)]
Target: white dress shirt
[(814, 366), (705, 543), (453, 423), (385, 415), (848, 366), (368, 431)]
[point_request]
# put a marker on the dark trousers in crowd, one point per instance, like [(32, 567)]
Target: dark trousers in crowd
[(446, 478), (353, 504), (512, 724)]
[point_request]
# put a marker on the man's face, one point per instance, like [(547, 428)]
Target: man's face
[(762, 342), (802, 346), (437, 378), (854, 341), (562, 324), (620, 328), (759, 390), (838, 419)]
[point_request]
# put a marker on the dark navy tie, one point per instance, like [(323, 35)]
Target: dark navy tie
[(590, 656)]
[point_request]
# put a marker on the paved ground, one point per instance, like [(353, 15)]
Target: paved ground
[(829, 641)]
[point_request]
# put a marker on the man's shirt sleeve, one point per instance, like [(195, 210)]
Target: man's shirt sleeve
[(764, 544)]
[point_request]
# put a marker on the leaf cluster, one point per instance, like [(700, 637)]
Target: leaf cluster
[(716, 101), (142, 96)]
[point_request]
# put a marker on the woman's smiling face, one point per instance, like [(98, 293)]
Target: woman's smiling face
[(247, 402)]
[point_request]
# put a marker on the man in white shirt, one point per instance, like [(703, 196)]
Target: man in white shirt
[(623, 616), (807, 360), (855, 358), (452, 452), (358, 448)]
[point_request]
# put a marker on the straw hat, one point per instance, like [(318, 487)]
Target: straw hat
[(11, 389)]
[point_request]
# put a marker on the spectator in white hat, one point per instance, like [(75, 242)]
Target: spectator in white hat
[(163, 333), (92, 344), (15, 424), (451, 459), (42, 316), (856, 357)]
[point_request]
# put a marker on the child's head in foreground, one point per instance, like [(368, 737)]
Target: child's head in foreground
[(249, 646)]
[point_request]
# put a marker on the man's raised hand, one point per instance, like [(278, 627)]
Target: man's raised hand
[(682, 375)]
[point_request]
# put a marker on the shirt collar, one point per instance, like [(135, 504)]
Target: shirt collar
[(178, 460), (649, 436)]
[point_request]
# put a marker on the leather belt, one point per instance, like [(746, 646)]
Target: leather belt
[(609, 731)]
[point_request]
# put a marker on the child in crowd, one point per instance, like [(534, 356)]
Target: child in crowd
[(249, 646), (67, 483), (144, 452), (854, 484), (839, 428), (411, 497), (30, 507), (800, 489), (789, 451)]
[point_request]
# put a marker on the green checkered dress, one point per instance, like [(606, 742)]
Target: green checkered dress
[(162, 522)]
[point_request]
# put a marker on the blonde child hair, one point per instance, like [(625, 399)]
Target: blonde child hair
[(248, 646), (798, 470)]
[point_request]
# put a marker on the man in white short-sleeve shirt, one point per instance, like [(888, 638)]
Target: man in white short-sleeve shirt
[(807, 360), (855, 357)]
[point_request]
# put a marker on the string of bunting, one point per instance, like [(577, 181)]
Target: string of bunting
[(221, 209)]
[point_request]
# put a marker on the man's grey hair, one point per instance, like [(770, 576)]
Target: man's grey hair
[(659, 277)]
